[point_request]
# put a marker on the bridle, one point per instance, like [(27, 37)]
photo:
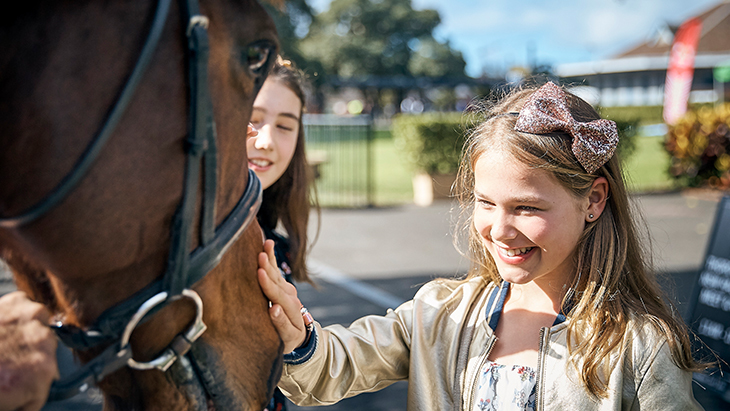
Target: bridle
[(116, 324)]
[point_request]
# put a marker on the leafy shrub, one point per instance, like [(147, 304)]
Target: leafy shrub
[(433, 141), (644, 115), (627, 130), (700, 147)]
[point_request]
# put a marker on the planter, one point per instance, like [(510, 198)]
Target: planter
[(430, 187)]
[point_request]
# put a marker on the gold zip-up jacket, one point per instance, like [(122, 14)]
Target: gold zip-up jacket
[(438, 342)]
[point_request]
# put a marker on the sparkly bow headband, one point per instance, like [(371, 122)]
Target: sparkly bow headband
[(547, 111)]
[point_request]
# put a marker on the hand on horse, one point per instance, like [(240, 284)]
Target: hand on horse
[(285, 310), (27, 353)]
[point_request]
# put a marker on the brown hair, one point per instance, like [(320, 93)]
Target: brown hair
[(613, 280), (290, 199)]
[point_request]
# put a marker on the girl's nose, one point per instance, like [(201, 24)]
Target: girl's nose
[(263, 139), (502, 228)]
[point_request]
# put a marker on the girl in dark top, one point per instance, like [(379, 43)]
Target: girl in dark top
[(276, 154)]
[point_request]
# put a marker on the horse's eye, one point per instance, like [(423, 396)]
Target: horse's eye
[(258, 55)]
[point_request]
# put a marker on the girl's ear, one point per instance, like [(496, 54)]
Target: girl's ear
[(597, 199)]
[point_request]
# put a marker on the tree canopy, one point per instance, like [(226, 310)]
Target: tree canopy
[(296, 16), (357, 38)]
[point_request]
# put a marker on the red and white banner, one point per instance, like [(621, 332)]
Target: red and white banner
[(680, 70)]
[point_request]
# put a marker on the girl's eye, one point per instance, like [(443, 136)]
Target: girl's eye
[(285, 128), (484, 203)]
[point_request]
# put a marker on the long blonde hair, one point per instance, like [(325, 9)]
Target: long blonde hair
[(613, 279)]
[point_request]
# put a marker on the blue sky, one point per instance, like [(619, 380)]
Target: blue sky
[(494, 35)]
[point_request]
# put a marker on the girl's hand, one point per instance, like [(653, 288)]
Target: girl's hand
[(285, 310)]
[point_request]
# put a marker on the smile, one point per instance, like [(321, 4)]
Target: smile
[(258, 162), (512, 252)]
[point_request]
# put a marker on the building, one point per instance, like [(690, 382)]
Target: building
[(636, 77)]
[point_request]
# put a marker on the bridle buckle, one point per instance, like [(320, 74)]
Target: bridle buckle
[(197, 20), (180, 345)]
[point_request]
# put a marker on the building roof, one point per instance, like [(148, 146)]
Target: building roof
[(714, 38), (653, 54)]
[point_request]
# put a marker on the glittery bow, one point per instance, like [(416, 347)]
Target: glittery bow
[(546, 111)]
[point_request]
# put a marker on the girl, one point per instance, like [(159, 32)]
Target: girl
[(559, 310), (276, 154)]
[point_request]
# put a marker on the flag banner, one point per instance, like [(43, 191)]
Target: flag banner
[(680, 70)]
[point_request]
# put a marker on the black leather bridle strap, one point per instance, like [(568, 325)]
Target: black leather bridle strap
[(108, 327), (87, 159), (198, 74), (199, 142)]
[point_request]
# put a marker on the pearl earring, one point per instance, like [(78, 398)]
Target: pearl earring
[(590, 216)]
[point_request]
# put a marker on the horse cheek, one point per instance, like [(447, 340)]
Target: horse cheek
[(241, 344)]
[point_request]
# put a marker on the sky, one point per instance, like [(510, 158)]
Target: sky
[(494, 35)]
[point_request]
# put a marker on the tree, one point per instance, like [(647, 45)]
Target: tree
[(357, 38), (291, 23)]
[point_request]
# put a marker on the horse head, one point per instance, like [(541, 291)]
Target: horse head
[(102, 245)]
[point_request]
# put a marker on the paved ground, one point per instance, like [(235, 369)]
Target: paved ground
[(368, 260)]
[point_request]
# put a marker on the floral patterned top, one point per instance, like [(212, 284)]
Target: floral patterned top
[(503, 387)]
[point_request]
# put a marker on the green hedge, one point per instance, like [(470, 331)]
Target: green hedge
[(643, 115), (433, 141)]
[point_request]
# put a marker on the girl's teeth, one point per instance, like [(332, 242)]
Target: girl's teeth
[(259, 163), (517, 251)]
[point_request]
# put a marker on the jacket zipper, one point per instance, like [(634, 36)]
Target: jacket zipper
[(473, 382), (540, 368)]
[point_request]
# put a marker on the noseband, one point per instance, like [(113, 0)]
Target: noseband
[(115, 325)]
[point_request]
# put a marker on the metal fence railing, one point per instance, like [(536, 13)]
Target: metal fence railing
[(339, 148)]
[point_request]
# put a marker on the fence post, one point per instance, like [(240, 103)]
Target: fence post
[(369, 184)]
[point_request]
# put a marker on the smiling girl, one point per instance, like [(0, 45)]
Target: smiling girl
[(560, 310), (276, 154)]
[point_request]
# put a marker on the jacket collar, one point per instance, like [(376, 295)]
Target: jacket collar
[(495, 305)]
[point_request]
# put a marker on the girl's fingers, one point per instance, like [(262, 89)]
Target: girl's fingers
[(292, 336), (285, 310), (279, 292), (269, 249)]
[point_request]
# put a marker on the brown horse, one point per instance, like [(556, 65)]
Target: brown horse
[(62, 68)]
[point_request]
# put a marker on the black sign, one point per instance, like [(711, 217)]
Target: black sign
[(710, 304)]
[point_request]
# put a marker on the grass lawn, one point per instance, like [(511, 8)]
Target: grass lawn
[(392, 174), (646, 169)]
